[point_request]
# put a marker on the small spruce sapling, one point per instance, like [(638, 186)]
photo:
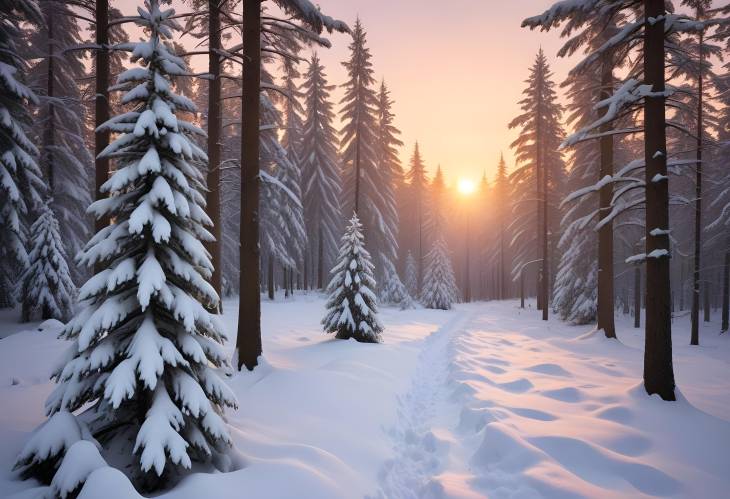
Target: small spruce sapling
[(352, 310)]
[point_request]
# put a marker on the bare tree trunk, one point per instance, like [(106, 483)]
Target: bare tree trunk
[(320, 259), (726, 292), (707, 302), (695, 335), (214, 140), (270, 279), (605, 303), (522, 288), (101, 102), (248, 340), (658, 369), (637, 297)]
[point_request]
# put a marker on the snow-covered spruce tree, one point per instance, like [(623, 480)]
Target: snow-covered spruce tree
[(439, 284), (22, 185), (413, 220), (366, 186), (46, 283), (391, 171), (59, 122), (411, 275), (320, 171), (352, 309), (393, 291), (144, 345)]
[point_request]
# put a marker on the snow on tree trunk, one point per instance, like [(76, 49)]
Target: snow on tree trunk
[(352, 310), (144, 352), (439, 285), (46, 284)]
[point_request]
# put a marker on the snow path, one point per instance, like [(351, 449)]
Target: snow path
[(504, 405), (416, 445)]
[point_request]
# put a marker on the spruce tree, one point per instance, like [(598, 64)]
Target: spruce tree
[(414, 218), (644, 89), (367, 183), (320, 171), (46, 283), (22, 186), (144, 350), (388, 164), (538, 174), (439, 284), (411, 275), (352, 310), (59, 119)]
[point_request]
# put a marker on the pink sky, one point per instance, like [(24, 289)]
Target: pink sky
[(455, 70)]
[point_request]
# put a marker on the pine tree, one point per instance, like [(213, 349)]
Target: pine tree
[(540, 170), (415, 213), (367, 188), (308, 21), (352, 310), (644, 89), (321, 170), (435, 210), (439, 284), (22, 185), (411, 275), (144, 344), (60, 117), (388, 164), (46, 283), (501, 207)]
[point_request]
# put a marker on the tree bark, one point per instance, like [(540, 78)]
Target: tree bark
[(637, 297), (658, 369), (605, 300), (248, 340), (270, 279), (320, 259), (101, 103), (707, 302), (695, 335), (214, 141), (726, 292)]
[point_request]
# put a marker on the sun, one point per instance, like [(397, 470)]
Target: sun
[(466, 187)]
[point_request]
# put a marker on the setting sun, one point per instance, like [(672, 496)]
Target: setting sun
[(466, 187)]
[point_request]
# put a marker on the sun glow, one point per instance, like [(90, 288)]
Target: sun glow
[(466, 187)]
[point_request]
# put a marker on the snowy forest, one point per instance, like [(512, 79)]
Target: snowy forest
[(236, 260)]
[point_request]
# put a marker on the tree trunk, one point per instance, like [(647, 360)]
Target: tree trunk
[(522, 288), (695, 335), (707, 302), (545, 274), (320, 260), (285, 280), (101, 104), (726, 292), (214, 140), (248, 340), (467, 277), (658, 369), (605, 303), (270, 280), (637, 297)]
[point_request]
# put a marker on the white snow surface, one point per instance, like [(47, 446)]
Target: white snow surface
[(484, 400)]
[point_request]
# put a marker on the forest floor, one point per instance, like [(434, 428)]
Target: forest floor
[(484, 400)]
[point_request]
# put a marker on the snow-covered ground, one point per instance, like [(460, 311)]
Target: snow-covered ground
[(482, 401)]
